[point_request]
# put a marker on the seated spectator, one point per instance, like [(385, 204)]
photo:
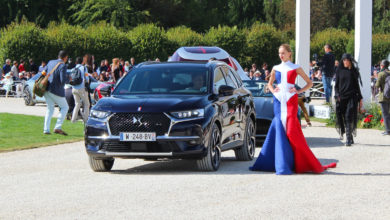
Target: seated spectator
[(257, 75), (7, 84), (127, 66), (267, 75), (251, 74)]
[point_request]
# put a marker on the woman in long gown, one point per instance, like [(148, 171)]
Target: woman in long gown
[(285, 149)]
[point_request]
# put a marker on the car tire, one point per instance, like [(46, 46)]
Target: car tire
[(212, 160), (101, 165), (28, 98), (247, 151)]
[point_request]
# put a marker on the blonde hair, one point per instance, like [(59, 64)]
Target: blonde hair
[(288, 48)]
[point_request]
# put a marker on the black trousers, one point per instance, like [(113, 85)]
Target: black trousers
[(347, 116)]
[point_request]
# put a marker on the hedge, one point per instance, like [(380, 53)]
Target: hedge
[(230, 39), (263, 41), (23, 41), (257, 44), (107, 42), (149, 42), (184, 36)]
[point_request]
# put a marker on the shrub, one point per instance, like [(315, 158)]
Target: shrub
[(149, 42), (230, 39), (335, 37), (23, 41), (107, 42), (73, 39), (184, 36), (380, 47), (263, 41)]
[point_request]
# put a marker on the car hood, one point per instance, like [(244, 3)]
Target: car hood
[(150, 103), (264, 107)]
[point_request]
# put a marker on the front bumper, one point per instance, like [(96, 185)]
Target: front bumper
[(184, 139), (163, 147)]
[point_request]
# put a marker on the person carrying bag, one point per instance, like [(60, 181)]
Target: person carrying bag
[(41, 84)]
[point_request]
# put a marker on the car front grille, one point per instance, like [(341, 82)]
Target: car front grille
[(139, 122), (262, 126)]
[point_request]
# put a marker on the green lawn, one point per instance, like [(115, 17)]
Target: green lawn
[(25, 131)]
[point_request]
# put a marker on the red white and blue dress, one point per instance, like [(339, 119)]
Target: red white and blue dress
[(285, 149)]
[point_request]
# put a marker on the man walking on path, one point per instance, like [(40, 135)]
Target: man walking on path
[(56, 93), (327, 67), (79, 92), (383, 101)]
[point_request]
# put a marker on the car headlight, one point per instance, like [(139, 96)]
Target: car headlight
[(99, 114), (197, 113)]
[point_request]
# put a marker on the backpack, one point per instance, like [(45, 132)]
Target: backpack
[(386, 89), (76, 77), (41, 84)]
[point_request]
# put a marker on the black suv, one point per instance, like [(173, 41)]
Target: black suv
[(181, 110)]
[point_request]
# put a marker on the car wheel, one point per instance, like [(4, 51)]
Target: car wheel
[(28, 98), (101, 165), (247, 150), (212, 160)]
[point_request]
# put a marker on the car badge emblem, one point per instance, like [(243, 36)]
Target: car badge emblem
[(137, 121), (139, 109)]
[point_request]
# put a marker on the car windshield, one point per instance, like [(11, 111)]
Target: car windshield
[(164, 80), (258, 88)]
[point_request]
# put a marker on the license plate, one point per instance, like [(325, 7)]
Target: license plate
[(139, 136)]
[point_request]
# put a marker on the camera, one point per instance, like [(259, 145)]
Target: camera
[(315, 66)]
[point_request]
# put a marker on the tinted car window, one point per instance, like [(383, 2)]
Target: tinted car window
[(166, 80), (236, 78), (229, 79), (219, 79)]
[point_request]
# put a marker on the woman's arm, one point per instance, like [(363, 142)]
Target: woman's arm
[(308, 85), (271, 82)]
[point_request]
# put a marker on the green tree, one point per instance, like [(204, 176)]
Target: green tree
[(245, 13), (119, 13), (381, 16)]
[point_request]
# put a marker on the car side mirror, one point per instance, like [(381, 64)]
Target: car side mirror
[(225, 90)]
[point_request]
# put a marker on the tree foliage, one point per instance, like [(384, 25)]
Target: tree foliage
[(199, 15), (115, 12)]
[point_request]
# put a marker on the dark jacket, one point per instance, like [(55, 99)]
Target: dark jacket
[(34, 68), (6, 68), (58, 78), (347, 84), (327, 64)]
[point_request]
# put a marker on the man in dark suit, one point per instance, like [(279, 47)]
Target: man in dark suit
[(327, 67)]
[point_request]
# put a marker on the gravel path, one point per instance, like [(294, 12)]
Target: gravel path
[(56, 183)]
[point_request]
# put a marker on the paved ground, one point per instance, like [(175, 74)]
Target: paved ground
[(57, 183)]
